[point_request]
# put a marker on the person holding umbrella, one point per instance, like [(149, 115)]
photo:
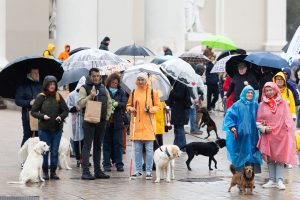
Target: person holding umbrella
[(112, 144), (76, 121), (145, 102), (51, 110), (25, 97)]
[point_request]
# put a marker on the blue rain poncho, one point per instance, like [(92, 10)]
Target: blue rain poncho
[(242, 116)]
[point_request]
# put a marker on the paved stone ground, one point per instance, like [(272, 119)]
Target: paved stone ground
[(120, 187)]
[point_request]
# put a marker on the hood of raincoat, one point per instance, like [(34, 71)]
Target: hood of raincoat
[(244, 92), (283, 76), (80, 83), (145, 76), (274, 87), (67, 45), (51, 47), (288, 71), (47, 80)]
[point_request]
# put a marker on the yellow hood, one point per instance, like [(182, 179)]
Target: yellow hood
[(51, 47), (283, 76)]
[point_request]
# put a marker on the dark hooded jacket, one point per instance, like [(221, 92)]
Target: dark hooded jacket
[(52, 105), (292, 86), (168, 52), (104, 44)]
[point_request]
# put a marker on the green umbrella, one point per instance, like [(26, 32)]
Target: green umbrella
[(219, 42)]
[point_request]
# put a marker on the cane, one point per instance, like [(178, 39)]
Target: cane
[(132, 142)]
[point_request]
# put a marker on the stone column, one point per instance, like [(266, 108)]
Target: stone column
[(3, 60), (276, 25), (76, 24), (220, 17), (164, 25)]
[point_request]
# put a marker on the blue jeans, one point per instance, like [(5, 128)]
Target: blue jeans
[(52, 139), (112, 143), (138, 149), (179, 139), (192, 119)]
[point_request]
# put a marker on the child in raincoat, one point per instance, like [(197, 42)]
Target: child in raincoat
[(76, 120), (241, 132), (277, 142), (49, 53)]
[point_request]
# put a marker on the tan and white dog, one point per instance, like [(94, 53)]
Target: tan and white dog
[(164, 158), (63, 151), (32, 169)]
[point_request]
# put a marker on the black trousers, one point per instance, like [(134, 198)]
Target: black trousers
[(212, 91), (93, 134)]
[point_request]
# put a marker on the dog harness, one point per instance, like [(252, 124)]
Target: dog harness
[(167, 152)]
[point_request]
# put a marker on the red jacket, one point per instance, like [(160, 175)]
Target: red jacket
[(226, 85)]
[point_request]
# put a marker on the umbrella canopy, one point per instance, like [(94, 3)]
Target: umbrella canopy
[(219, 66), (194, 57), (232, 64), (91, 58), (15, 73), (160, 59), (78, 49), (180, 71), (267, 59), (158, 80), (134, 50), (231, 52), (219, 42), (72, 76)]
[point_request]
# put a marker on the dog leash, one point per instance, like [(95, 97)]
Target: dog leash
[(167, 152)]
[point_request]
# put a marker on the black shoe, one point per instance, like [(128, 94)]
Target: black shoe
[(107, 169), (54, 176), (101, 175), (87, 176), (78, 163), (45, 173), (120, 169)]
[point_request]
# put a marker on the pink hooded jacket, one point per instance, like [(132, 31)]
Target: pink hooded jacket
[(280, 144)]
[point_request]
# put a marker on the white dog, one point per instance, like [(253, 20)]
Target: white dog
[(32, 169), (164, 158), (63, 151)]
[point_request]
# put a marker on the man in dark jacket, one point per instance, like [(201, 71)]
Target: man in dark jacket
[(240, 80), (167, 51), (25, 97), (104, 44), (212, 80), (180, 103), (94, 90)]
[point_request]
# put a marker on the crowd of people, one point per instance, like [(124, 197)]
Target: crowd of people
[(259, 121)]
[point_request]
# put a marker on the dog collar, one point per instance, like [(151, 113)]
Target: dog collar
[(167, 152)]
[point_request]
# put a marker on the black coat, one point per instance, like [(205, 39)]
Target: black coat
[(24, 94), (179, 101), (237, 84), (211, 78), (267, 77), (119, 112), (103, 46), (168, 52)]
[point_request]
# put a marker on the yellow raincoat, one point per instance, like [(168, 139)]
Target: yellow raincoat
[(144, 128), (49, 52), (160, 119), (287, 95)]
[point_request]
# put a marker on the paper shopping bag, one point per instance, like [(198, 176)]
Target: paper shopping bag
[(33, 122), (93, 112)]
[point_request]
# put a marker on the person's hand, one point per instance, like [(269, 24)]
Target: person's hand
[(268, 129), (116, 104), (225, 97), (58, 119), (132, 109), (77, 107), (246, 83), (196, 101), (93, 92), (32, 102), (46, 117), (233, 129)]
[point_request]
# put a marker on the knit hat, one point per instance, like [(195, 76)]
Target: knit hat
[(142, 75)]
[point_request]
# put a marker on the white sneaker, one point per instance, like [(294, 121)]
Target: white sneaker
[(269, 184), (280, 185)]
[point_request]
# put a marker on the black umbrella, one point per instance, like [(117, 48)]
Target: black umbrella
[(232, 64), (134, 50), (231, 52), (15, 73), (78, 49)]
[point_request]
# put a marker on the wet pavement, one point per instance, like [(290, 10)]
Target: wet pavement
[(200, 183)]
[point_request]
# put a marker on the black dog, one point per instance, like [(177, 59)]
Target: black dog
[(207, 120), (209, 149)]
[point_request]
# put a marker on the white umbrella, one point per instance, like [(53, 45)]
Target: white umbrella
[(220, 65), (91, 58), (158, 80), (180, 71)]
